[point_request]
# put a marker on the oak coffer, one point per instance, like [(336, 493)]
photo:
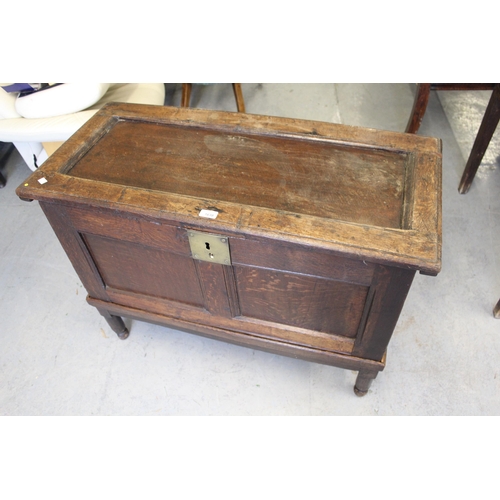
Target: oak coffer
[(296, 237)]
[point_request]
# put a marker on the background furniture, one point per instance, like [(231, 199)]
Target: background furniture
[(422, 99), (37, 124), (238, 94), (486, 130), (484, 135)]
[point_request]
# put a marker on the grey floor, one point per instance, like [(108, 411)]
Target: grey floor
[(59, 357)]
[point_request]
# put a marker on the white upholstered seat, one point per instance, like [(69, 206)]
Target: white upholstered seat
[(34, 122)]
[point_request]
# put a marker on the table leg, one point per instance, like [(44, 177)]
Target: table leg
[(486, 131), (419, 107)]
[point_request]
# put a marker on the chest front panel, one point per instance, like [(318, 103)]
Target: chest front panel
[(275, 289)]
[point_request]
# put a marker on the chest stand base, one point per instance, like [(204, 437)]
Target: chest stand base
[(365, 377)]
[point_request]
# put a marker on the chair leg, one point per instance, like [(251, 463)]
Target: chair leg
[(186, 94), (238, 94), (486, 131), (419, 107)]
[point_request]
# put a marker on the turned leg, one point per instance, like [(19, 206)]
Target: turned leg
[(496, 311), (363, 381), (116, 324), (238, 94), (486, 131)]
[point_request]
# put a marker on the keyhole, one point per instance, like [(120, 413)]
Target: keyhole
[(207, 246)]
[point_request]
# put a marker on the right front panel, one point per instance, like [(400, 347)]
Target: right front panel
[(310, 302), (320, 298)]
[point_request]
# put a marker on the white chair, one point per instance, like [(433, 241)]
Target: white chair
[(37, 124)]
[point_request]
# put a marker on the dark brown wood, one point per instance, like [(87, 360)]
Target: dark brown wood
[(419, 106), (462, 86), (326, 227), (115, 323), (486, 130), (422, 98), (228, 160), (390, 287), (241, 338), (364, 381)]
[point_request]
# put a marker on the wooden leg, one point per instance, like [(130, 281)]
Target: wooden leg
[(496, 311), (116, 324), (419, 107), (363, 382), (238, 94), (186, 94), (486, 131)]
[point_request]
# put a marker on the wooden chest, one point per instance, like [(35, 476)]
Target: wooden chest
[(296, 237)]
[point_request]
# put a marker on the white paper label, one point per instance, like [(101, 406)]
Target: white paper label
[(208, 214), (43, 180)]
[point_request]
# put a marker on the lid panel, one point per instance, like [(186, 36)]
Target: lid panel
[(303, 176)]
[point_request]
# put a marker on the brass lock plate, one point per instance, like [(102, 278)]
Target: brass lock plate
[(209, 247)]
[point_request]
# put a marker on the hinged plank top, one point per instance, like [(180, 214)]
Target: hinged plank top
[(368, 193)]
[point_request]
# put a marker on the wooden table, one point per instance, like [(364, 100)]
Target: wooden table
[(295, 237), (488, 126)]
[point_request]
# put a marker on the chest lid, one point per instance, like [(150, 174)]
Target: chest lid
[(365, 192)]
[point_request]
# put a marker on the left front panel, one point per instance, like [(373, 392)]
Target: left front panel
[(128, 260)]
